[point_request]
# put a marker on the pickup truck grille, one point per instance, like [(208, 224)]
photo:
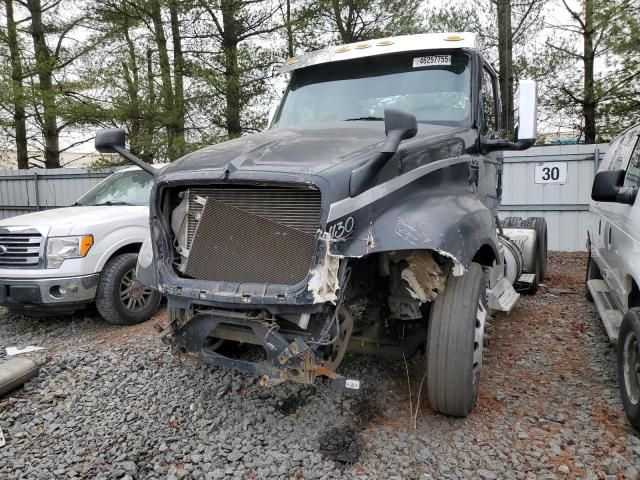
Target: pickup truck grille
[(20, 250), (251, 234)]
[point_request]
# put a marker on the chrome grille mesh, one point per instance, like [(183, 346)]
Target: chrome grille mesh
[(252, 234), (20, 249)]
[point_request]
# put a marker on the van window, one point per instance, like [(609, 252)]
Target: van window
[(632, 177), (623, 150)]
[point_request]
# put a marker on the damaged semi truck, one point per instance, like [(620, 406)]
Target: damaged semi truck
[(363, 219)]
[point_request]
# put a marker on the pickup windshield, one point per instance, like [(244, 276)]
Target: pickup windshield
[(435, 87), (131, 187)]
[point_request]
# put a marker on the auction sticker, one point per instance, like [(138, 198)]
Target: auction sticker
[(431, 60)]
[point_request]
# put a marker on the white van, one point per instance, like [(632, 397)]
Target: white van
[(613, 269)]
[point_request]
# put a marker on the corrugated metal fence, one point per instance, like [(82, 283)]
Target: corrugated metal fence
[(565, 203), (25, 191)]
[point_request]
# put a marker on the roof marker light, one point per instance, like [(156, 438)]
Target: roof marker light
[(453, 38), (292, 61), (361, 46), (342, 49), (384, 43)]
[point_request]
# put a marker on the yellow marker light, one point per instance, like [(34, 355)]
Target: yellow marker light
[(453, 38), (292, 61), (384, 43), (342, 49), (85, 244), (361, 46)]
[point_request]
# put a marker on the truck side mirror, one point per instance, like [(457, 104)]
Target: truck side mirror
[(398, 125), (112, 140), (608, 186), (108, 139), (528, 112), (527, 121)]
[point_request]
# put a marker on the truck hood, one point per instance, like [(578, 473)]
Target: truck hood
[(77, 220), (305, 149)]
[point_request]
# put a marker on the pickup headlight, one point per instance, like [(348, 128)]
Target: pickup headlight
[(61, 248)]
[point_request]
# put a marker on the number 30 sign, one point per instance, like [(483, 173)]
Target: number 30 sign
[(551, 172)]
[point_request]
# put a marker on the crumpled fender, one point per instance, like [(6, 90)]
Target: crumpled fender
[(441, 212)]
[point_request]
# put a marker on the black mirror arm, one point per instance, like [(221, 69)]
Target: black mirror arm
[(394, 137), (133, 159), (361, 176), (491, 145)]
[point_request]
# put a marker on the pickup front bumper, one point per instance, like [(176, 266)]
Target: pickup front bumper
[(48, 293)]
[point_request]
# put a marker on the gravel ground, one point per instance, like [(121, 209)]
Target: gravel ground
[(114, 403)]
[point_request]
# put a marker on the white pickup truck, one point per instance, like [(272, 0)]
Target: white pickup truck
[(58, 261)]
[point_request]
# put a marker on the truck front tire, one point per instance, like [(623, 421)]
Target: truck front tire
[(120, 298), (455, 343), (629, 365)]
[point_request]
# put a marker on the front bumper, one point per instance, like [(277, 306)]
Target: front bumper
[(288, 357), (47, 292)]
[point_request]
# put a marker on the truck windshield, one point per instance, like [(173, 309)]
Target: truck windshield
[(435, 87), (131, 187)]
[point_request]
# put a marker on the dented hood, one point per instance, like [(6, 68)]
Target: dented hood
[(305, 149)]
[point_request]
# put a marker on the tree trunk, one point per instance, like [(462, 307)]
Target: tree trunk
[(45, 64), (505, 60), (132, 80), (150, 115), (230, 10), (178, 74), (19, 115), (589, 108), (165, 74), (289, 27)]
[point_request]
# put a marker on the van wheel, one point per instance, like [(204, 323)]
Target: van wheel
[(629, 365), (120, 298), (455, 343)]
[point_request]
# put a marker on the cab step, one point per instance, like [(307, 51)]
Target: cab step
[(503, 297), (527, 278), (607, 309)]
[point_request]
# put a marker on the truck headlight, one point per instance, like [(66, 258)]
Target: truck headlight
[(61, 248)]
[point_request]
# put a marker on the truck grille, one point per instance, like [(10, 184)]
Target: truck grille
[(252, 234), (20, 249)]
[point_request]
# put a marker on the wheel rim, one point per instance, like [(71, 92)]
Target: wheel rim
[(631, 368), (478, 345), (133, 295)]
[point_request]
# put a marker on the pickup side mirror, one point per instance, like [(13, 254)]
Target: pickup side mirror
[(398, 125), (112, 140), (608, 186)]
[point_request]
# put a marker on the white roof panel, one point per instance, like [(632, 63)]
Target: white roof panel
[(383, 46)]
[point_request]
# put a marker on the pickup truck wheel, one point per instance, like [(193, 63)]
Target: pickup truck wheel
[(455, 343), (629, 365), (120, 298)]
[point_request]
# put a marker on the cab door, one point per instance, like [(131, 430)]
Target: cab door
[(490, 165)]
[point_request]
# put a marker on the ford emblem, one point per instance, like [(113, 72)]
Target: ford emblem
[(3, 249)]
